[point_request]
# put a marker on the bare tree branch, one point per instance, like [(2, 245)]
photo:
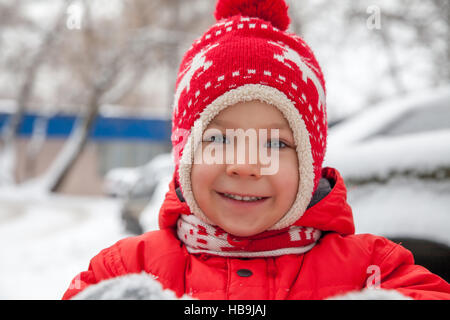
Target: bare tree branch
[(101, 80), (31, 70)]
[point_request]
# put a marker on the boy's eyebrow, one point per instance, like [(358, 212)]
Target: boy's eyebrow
[(227, 124)]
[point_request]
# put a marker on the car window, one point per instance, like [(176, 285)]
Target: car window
[(420, 120)]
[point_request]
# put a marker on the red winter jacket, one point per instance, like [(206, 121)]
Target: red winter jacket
[(340, 262)]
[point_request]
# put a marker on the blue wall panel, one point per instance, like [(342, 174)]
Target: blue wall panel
[(104, 128)]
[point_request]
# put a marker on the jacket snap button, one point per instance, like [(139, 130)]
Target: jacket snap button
[(244, 273)]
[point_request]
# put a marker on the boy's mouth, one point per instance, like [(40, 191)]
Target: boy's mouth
[(242, 198)]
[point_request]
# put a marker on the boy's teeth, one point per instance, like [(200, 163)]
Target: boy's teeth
[(236, 197)]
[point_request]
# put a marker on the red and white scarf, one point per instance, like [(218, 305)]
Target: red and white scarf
[(200, 237)]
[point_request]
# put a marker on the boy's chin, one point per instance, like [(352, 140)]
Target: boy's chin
[(242, 231)]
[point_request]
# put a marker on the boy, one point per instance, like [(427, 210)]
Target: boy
[(263, 219)]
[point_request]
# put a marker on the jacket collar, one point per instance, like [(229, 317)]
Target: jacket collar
[(332, 213)]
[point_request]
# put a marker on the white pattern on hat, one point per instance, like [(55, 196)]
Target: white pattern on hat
[(199, 61), (307, 73)]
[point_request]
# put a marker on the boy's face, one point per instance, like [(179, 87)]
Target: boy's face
[(214, 184)]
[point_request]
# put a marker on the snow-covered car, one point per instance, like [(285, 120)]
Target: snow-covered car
[(403, 137), (124, 182), (136, 187), (395, 160)]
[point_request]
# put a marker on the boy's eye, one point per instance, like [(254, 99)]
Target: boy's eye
[(217, 138), (276, 144)]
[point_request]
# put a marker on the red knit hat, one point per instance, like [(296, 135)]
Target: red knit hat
[(248, 55)]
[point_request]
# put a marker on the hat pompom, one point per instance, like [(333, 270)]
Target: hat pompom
[(273, 11)]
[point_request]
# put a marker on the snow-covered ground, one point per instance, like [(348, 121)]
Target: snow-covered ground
[(46, 240)]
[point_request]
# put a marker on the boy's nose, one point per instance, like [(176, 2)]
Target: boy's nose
[(244, 170), (245, 157)]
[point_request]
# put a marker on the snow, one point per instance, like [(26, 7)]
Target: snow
[(422, 153), (46, 240), (404, 207)]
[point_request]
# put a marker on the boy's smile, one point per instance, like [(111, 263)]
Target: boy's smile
[(235, 195), (247, 201)]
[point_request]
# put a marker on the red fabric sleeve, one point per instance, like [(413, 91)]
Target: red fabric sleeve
[(399, 272), (107, 264)]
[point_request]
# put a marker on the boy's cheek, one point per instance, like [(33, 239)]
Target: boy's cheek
[(287, 177), (203, 176)]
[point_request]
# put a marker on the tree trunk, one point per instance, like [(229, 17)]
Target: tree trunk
[(68, 156)]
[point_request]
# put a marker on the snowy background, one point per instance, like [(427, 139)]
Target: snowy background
[(46, 241), (399, 183)]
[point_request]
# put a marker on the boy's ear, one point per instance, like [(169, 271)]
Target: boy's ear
[(179, 194)]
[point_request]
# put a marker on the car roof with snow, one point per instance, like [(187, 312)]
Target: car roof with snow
[(401, 136)]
